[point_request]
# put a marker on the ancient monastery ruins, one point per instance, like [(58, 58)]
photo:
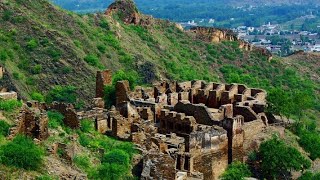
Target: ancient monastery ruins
[(188, 130)]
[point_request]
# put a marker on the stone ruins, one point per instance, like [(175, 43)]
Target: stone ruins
[(187, 130), (192, 129)]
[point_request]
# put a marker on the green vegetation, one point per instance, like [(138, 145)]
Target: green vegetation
[(55, 119), (92, 60), (21, 152), (309, 176), (115, 163), (9, 105), (236, 171), (309, 138), (4, 128), (65, 94), (277, 159), (37, 97), (110, 91)]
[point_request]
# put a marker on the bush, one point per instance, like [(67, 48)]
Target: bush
[(54, 54), (102, 48), (117, 156), (4, 128), (30, 81), (92, 60), (3, 55), (55, 119), (236, 171), (22, 153), (32, 44), (36, 69), (65, 94), (9, 105), (37, 97)]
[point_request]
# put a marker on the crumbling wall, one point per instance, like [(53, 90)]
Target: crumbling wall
[(103, 78), (67, 110), (209, 152), (31, 122), (158, 166), (8, 95), (1, 72)]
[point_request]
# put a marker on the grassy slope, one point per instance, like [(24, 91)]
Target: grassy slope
[(63, 39)]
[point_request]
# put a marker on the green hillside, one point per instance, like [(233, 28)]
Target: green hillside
[(43, 46), (45, 49)]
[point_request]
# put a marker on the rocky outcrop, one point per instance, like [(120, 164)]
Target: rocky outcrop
[(126, 10), (216, 35)]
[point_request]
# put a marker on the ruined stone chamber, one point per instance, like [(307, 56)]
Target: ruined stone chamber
[(196, 128)]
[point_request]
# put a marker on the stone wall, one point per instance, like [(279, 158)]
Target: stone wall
[(32, 122), (67, 110), (158, 166), (8, 95), (103, 78), (1, 72)]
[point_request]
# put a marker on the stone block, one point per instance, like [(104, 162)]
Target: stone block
[(9, 95)]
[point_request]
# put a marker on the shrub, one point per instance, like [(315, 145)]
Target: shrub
[(117, 156), (3, 55), (65, 94), (22, 153), (104, 24), (30, 81), (236, 171), (7, 14), (130, 76), (109, 95), (54, 54), (36, 69), (32, 44), (92, 60), (16, 75), (9, 105), (4, 128), (102, 48), (87, 126), (55, 119)]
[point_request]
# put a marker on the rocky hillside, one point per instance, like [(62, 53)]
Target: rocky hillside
[(42, 46)]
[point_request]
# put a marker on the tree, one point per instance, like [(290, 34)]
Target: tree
[(278, 159), (236, 171)]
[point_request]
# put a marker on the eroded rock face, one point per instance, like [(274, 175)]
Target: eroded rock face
[(216, 35), (126, 10)]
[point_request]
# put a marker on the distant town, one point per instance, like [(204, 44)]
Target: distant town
[(273, 37)]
